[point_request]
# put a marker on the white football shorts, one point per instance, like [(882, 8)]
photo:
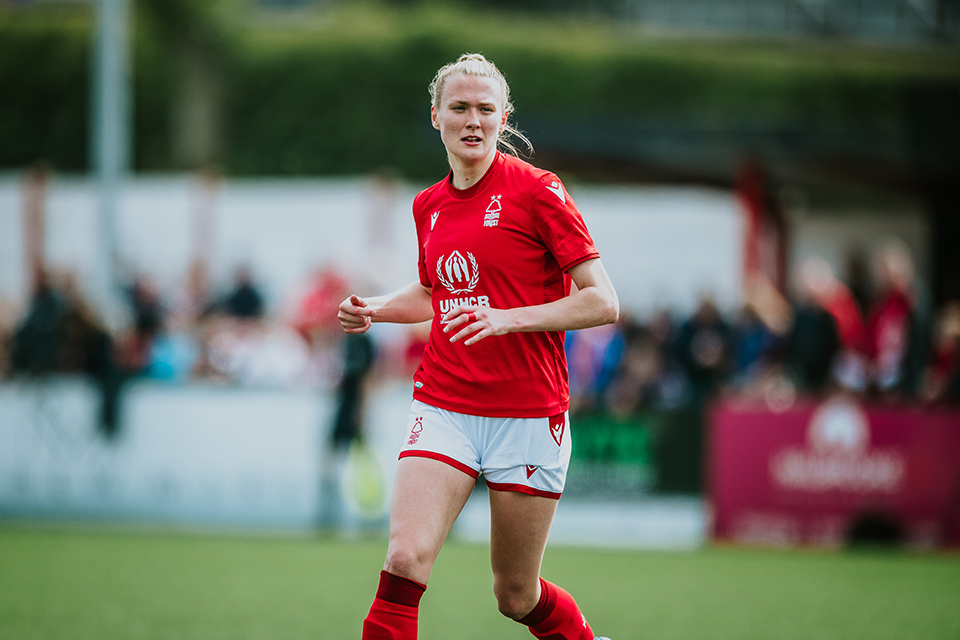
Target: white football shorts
[(527, 455)]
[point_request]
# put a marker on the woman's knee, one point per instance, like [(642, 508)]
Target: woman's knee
[(408, 560), (515, 599)]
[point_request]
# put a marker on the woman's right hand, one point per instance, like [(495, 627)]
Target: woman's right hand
[(354, 315)]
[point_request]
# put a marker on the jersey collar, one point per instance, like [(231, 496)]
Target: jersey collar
[(469, 192)]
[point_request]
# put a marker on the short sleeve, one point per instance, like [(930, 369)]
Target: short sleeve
[(560, 224), (421, 256), (422, 268)]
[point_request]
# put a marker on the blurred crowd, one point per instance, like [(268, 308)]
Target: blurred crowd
[(876, 337), (188, 334)]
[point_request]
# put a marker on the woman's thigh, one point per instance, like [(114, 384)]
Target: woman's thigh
[(428, 495)]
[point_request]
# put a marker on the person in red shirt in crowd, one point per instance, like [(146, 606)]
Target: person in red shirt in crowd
[(312, 312), (890, 318), (820, 284), (942, 377), (501, 244)]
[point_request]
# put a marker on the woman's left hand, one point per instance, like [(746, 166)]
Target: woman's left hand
[(476, 322)]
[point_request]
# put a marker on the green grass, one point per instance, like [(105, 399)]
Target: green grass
[(77, 584)]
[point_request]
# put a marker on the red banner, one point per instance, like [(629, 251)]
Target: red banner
[(811, 474)]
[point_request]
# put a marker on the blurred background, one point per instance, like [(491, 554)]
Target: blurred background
[(188, 189)]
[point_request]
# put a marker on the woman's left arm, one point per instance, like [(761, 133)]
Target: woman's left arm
[(594, 302)]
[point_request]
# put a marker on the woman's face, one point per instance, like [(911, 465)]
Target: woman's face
[(469, 117)]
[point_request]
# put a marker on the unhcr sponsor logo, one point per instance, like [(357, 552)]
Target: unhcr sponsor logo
[(458, 274), (452, 303)]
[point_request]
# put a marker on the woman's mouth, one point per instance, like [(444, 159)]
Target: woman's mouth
[(471, 140)]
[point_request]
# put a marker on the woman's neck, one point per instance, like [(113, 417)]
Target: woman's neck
[(466, 176)]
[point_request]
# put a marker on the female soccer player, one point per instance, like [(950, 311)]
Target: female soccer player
[(500, 242)]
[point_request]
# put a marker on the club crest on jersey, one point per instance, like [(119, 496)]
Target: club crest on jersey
[(456, 274), (492, 217), (557, 424)]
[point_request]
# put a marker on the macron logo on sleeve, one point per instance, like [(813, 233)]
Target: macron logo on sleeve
[(433, 219), (557, 190)]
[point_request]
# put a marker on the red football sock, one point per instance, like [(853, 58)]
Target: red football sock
[(557, 616), (393, 614)]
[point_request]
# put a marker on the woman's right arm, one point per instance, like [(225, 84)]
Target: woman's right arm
[(408, 305)]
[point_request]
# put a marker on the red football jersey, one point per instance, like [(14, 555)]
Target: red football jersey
[(505, 242)]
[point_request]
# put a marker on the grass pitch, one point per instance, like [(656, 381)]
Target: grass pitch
[(103, 585)]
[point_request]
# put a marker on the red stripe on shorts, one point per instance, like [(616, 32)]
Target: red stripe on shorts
[(521, 488), (456, 464)]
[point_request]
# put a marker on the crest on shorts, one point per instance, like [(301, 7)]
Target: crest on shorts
[(557, 424), (416, 430)]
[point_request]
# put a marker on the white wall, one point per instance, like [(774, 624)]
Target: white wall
[(661, 245), (832, 234), (665, 246), (197, 454), (229, 457)]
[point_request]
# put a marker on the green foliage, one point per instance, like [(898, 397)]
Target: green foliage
[(44, 89), (331, 108), (344, 90)]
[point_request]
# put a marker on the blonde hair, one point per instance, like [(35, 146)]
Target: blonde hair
[(474, 64)]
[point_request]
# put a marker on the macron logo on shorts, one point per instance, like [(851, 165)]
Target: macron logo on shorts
[(531, 469), (557, 424)]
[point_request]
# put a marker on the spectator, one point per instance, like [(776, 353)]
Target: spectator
[(641, 368), (942, 378), (754, 346), (856, 275), (173, 354), (148, 312), (704, 349), (8, 321), (890, 320), (315, 312), (358, 358), (244, 301), (61, 335), (848, 365), (761, 333), (88, 348), (815, 339), (593, 356), (314, 315), (148, 315), (37, 340)]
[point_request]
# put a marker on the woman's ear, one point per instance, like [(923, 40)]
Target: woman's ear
[(433, 118)]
